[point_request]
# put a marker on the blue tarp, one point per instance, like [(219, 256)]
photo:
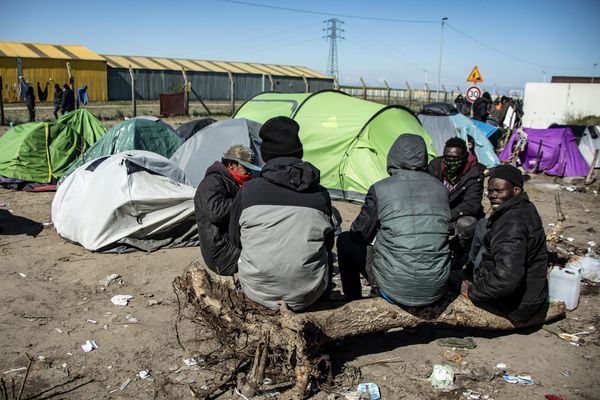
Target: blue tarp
[(487, 129)]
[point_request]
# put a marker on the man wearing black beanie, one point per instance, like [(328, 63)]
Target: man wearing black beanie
[(282, 223), (509, 251)]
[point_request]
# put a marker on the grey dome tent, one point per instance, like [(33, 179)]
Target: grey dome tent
[(209, 144), (131, 200), (189, 129)]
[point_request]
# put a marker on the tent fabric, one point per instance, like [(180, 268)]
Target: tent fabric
[(443, 127), (156, 119), (559, 155), (41, 152), (172, 103), (189, 129), (150, 206), (346, 138), (208, 145), (438, 109), (588, 140), (487, 129), (132, 134)]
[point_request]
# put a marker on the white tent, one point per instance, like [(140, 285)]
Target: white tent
[(588, 143), (131, 200), (208, 145)]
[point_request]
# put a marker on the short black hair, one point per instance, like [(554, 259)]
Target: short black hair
[(456, 142)]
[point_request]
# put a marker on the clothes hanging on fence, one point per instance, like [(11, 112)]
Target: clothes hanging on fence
[(42, 94)]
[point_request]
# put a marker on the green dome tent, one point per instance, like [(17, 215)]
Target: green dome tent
[(348, 139), (132, 134), (42, 151)]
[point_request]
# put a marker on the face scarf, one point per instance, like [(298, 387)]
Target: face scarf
[(240, 179), (454, 168)]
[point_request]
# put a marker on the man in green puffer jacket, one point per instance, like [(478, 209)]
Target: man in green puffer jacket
[(408, 215)]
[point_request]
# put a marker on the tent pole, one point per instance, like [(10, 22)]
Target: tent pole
[(231, 91), (271, 82), (71, 77), (132, 75), (1, 103), (538, 157), (186, 94), (305, 84), (388, 93), (362, 81), (590, 176)]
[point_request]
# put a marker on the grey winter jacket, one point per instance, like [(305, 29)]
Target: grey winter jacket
[(408, 215)]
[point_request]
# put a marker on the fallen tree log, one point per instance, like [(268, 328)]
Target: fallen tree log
[(298, 337)]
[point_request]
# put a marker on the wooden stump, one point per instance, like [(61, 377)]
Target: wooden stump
[(299, 337)]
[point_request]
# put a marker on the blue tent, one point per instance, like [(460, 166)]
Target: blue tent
[(487, 129)]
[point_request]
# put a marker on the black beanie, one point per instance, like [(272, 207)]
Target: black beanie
[(508, 173), (280, 139)]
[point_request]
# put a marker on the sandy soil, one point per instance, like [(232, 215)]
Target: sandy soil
[(52, 302)]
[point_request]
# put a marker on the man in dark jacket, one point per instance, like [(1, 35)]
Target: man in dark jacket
[(212, 202), (282, 222), (68, 100), (481, 107), (30, 101), (58, 93), (509, 276), (462, 175), (407, 214)]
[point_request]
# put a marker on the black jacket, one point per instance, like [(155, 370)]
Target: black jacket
[(465, 200), (480, 109), (512, 275), (212, 202), (58, 95), (68, 101), (30, 97)]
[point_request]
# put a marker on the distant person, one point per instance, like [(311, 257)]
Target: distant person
[(82, 95), (30, 102), (58, 94), (68, 100), (462, 105), (509, 254), (399, 240), (481, 107), (213, 200), (282, 221)]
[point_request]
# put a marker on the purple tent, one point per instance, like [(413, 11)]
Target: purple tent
[(559, 156)]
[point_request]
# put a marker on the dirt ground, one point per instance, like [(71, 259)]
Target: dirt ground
[(52, 302)]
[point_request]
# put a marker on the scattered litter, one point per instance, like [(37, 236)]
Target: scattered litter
[(109, 367), (453, 355), (551, 224), (471, 394), (22, 275), (368, 391), (58, 330), (194, 360), (153, 302), (145, 374), (40, 358), (570, 239), (351, 395), (459, 343), (591, 243), (124, 384), (520, 379), (478, 374), (570, 188), (555, 397), (566, 372), (131, 319), (442, 376), (501, 366), (109, 279), (47, 223), (89, 345), (590, 267), (267, 381), (121, 299), (11, 371), (69, 354), (272, 393), (65, 368), (91, 321)]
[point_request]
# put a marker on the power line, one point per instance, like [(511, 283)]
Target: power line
[(411, 21), (333, 31)]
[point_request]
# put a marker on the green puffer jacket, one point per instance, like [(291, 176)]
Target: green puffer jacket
[(408, 214)]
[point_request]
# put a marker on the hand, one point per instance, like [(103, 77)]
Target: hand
[(464, 289)]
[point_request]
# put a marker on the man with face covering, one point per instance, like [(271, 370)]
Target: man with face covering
[(509, 251), (407, 215), (463, 176)]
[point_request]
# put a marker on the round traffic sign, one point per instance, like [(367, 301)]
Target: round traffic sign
[(473, 93)]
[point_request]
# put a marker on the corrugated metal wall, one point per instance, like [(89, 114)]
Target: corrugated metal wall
[(209, 85), (91, 72), (8, 72)]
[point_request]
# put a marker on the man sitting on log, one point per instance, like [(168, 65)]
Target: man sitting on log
[(462, 175), (407, 214), (282, 222), (509, 251), (212, 203)]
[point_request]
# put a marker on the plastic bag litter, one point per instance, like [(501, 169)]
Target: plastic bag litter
[(368, 390), (89, 345), (442, 376), (520, 379), (121, 299), (590, 268)]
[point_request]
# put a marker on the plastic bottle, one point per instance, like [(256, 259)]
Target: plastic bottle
[(564, 284)]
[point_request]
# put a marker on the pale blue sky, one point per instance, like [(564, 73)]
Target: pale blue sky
[(518, 40)]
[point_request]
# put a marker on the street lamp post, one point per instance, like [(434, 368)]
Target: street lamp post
[(439, 82)]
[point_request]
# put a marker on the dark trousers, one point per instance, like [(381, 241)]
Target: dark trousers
[(56, 108), (354, 260), (31, 114)]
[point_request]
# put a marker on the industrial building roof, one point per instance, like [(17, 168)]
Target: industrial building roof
[(176, 64), (56, 51)]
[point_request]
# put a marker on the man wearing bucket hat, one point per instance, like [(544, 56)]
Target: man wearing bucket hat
[(509, 251), (212, 202), (282, 222)]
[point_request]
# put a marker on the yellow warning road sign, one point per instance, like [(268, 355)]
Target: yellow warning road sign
[(475, 76)]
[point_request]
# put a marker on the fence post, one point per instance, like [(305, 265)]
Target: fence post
[(409, 94), (186, 95), (428, 94), (388, 92), (133, 103), (336, 84), (1, 102), (271, 82), (232, 91), (71, 77), (362, 81), (305, 83), (445, 93)]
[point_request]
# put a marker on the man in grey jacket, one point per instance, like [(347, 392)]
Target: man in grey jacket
[(407, 215)]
